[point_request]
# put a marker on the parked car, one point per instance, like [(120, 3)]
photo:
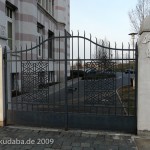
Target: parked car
[(76, 73), (91, 71), (131, 71)]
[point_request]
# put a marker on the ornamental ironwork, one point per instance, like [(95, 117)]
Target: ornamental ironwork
[(34, 78)]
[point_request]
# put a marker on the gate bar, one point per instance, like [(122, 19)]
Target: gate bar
[(66, 97)]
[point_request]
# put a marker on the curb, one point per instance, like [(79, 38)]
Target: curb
[(117, 92)]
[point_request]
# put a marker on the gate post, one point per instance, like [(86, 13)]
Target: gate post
[(2, 89), (143, 107)]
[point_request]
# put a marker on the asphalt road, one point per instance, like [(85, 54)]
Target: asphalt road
[(84, 96), (88, 96)]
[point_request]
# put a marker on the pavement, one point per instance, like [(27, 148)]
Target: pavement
[(28, 138)]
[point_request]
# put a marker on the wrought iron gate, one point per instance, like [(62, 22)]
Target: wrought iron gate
[(84, 84)]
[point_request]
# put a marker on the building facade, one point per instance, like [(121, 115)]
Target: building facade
[(27, 19), (23, 22)]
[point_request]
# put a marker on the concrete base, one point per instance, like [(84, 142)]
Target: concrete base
[(142, 144), (2, 123), (144, 133)]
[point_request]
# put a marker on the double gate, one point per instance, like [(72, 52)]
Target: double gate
[(72, 82)]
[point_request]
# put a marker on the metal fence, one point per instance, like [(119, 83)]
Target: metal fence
[(72, 82)]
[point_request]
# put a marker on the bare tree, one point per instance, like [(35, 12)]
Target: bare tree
[(102, 53), (138, 14), (79, 63)]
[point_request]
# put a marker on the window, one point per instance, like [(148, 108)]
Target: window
[(15, 78), (9, 35), (41, 77), (50, 44), (40, 33), (10, 27), (48, 5), (51, 76), (52, 8)]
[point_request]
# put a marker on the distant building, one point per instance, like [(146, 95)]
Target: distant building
[(24, 21)]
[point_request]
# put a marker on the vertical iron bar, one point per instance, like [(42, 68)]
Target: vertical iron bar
[(53, 72), (66, 90), (109, 65), (11, 73), (42, 48), (84, 73), (122, 75), (91, 57), (115, 78), (98, 67), (90, 47), (32, 61), (21, 79), (16, 80), (59, 72), (102, 68), (109, 52), (26, 52), (129, 80), (26, 62), (37, 49), (48, 61), (6, 86), (96, 51), (78, 73), (72, 73), (39, 52), (31, 51), (136, 83)]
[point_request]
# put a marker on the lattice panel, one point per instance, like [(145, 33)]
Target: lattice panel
[(34, 81), (36, 97), (100, 97), (100, 85)]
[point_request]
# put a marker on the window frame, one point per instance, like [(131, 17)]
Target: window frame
[(50, 45), (48, 5), (10, 14), (40, 28), (15, 81)]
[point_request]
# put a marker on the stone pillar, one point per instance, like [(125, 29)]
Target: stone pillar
[(143, 114), (3, 43), (2, 90)]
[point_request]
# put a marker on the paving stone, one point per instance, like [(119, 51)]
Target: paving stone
[(85, 144), (56, 146), (98, 142), (85, 135), (113, 148), (77, 134), (87, 148), (100, 137), (93, 135), (47, 148), (123, 148), (76, 144), (109, 143), (67, 140), (76, 148), (66, 143), (101, 147), (66, 147)]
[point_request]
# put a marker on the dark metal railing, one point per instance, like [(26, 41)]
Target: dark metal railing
[(82, 77)]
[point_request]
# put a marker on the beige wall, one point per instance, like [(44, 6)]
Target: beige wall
[(143, 121)]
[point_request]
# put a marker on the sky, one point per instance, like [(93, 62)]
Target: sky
[(102, 19)]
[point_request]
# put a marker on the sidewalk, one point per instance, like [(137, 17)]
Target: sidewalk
[(23, 138), (143, 143)]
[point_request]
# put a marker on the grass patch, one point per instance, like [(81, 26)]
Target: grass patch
[(127, 95)]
